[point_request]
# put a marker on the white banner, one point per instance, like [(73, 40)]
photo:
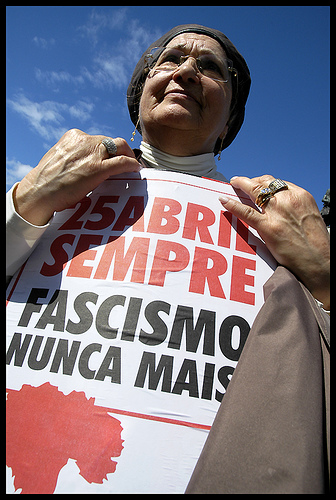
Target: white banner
[(123, 330)]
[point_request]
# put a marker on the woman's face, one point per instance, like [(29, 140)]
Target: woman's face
[(185, 104)]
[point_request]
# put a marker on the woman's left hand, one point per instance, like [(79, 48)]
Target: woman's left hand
[(293, 230)]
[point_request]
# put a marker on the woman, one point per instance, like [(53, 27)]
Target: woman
[(187, 98), (183, 114)]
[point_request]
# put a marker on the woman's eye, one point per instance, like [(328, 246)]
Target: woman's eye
[(210, 65), (171, 58)]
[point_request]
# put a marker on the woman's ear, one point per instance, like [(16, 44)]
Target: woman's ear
[(220, 140), (225, 131)]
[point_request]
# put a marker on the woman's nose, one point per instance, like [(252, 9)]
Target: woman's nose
[(187, 71)]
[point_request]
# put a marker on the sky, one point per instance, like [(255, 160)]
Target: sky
[(69, 67)]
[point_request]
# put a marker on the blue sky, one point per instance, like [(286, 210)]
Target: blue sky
[(70, 67)]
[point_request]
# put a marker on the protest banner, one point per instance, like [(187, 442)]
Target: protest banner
[(123, 331)]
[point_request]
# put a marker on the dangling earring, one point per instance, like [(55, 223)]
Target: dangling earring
[(136, 126), (220, 148)]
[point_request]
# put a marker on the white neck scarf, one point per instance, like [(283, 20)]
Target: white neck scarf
[(201, 165)]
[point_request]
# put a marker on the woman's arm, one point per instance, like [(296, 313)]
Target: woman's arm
[(293, 230), (72, 168), (21, 236)]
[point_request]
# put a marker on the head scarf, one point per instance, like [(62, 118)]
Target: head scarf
[(239, 94)]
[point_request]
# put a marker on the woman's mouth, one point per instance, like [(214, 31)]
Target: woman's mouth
[(181, 94)]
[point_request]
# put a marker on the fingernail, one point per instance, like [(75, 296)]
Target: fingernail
[(233, 178), (223, 199)]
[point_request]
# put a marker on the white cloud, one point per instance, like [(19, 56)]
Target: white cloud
[(81, 110), (137, 40), (42, 42), (53, 78), (107, 72), (15, 171), (113, 64), (117, 41), (47, 117), (100, 21)]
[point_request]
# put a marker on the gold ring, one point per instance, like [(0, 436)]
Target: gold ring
[(277, 185), (263, 196)]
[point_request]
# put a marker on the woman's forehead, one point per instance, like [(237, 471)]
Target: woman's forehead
[(195, 41)]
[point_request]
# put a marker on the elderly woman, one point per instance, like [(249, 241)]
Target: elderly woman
[(187, 98), (185, 116)]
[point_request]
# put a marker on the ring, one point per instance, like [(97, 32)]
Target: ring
[(267, 193), (277, 185), (110, 145), (263, 196)]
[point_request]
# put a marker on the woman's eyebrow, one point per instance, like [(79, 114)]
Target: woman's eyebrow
[(201, 50)]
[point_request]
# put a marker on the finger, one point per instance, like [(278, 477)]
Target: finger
[(123, 149), (252, 186), (120, 165), (246, 213)]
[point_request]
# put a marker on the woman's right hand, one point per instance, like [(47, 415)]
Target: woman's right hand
[(72, 168)]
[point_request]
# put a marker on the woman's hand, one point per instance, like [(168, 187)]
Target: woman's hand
[(292, 228), (72, 168)]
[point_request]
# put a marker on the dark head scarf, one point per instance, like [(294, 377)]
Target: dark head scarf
[(239, 95)]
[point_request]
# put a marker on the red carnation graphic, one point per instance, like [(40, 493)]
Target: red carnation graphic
[(45, 428)]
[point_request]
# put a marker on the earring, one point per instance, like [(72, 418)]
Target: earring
[(136, 126), (220, 148)]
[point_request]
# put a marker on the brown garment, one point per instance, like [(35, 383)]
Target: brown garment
[(271, 432)]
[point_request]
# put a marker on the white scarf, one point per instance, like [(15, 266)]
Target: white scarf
[(201, 165)]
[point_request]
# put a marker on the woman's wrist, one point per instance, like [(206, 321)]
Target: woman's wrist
[(29, 208)]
